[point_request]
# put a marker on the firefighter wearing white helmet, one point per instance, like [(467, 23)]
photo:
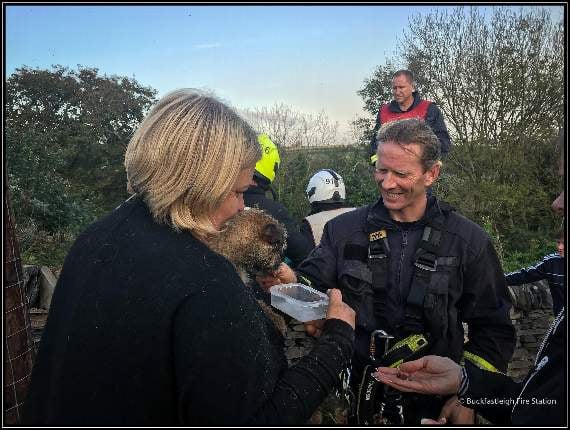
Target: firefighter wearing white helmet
[(326, 186), (256, 196), (326, 193)]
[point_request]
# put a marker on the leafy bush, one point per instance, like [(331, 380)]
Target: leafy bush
[(66, 133)]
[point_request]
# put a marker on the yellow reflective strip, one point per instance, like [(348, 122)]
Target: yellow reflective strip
[(413, 341), (397, 363), (480, 362)]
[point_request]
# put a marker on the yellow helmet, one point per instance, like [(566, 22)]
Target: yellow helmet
[(268, 165)]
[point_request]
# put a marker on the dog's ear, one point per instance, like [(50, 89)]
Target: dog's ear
[(270, 234)]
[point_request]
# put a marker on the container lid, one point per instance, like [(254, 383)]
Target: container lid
[(299, 293)]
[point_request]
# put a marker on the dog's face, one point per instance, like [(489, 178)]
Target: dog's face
[(253, 241)]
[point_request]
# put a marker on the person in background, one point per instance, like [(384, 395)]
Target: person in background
[(539, 400), (326, 194), (552, 268), (407, 103), (148, 326), (256, 196)]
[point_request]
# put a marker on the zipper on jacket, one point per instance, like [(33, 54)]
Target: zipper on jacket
[(534, 373), (550, 332), (402, 254)]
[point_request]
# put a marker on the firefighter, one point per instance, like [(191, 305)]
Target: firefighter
[(256, 196), (407, 103), (540, 400), (326, 194), (414, 270)]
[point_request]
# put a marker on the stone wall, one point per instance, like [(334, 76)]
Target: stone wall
[(531, 315), (40, 283), (334, 410)]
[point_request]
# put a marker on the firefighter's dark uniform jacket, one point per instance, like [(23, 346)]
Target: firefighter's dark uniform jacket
[(467, 285)]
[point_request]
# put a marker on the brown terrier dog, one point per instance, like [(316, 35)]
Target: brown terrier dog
[(254, 242)]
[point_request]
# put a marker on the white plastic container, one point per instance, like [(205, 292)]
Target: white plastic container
[(299, 301)]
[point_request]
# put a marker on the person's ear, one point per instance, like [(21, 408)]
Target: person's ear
[(432, 174)]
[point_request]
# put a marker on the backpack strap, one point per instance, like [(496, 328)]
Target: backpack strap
[(427, 257), (378, 262)]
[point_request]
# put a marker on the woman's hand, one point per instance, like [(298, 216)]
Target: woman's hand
[(337, 310), (428, 375), (283, 275), (452, 412), (314, 328)]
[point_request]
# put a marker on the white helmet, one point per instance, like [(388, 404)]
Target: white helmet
[(326, 186)]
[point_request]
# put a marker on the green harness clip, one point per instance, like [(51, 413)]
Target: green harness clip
[(405, 350)]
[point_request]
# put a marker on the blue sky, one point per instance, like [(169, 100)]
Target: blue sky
[(312, 58)]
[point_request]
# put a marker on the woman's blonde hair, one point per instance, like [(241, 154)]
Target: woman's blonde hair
[(185, 157)]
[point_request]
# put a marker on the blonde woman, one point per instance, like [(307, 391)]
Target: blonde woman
[(147, 325)]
